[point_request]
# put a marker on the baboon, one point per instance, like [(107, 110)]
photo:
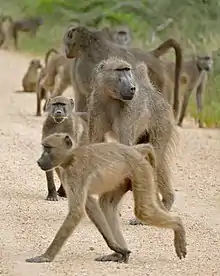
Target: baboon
[(89, 47), (104, 169), (61, 118), (124, 101), (30, 78), (30, 25), (120, 35), (7, 31), (194, 75), (54, 79)]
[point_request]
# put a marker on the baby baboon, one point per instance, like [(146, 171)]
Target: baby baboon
[(123, 101), (30, 78), (61, 118), (104, 169), (88, 48), (194, 75)]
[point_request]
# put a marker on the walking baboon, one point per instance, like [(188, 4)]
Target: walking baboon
[(61, 118), (7, 31), (89, 47), (104, 169), (194, 75), (30, 78), (123, 101)]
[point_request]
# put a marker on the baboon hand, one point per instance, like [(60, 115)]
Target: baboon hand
[(180, 244), (40, 259)]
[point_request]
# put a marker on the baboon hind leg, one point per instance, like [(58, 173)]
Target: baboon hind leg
[(96, 215), (109, 203), (183, 107), (149, 211)]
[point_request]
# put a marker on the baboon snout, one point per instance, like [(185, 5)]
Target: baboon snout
[(128, 94), (59, 113), (44, 164)]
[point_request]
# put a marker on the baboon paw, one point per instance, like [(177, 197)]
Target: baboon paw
[(61, 193), (180, 245), (135, 221), (39, 259), (180, 124), (115, 257), (52, 197), (38, 114)]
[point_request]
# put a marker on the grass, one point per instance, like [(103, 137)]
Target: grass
[(51, 32)]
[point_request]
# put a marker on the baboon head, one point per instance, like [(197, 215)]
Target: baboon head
[(204, 62), (72, 38), (59, 108), (35, 64), (115, 76), (56, 150), (122, 35)]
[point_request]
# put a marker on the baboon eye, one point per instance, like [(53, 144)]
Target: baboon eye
[(102, 66), (123, 69)]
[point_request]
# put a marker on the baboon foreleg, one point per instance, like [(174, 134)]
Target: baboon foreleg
[(109, 203), (148, 210), (183, 108), (76, 211), (38, 112), (52, 194), (98, 218)]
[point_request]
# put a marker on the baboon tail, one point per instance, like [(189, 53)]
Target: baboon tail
[(161, 50), (147, 150), (48, 53)]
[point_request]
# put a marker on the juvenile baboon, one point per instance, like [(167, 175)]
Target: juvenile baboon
[(123, 101), (194, 75), (61, 118), (30, 78), (7, 31), (104, 169), (89, 47)]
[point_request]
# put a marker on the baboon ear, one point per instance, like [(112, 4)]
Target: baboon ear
[(68, 142), (72, 103), (47, 105)]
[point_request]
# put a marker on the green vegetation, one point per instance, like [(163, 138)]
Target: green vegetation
[(194, 23)]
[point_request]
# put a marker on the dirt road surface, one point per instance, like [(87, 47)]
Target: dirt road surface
[(28, 223)]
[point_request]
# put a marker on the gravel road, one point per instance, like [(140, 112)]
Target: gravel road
[(29, 223)]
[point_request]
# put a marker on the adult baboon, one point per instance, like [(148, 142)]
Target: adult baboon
[(61, 118), (30, 78), (89, 47), (123, 101), (194, 75), (7, 31), (120, 35), (104, 169)]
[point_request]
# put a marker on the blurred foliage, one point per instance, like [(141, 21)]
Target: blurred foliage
[(193, 23)]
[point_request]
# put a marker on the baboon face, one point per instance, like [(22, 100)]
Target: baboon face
[(56, 148), (122, 36), (118, 78), (59, 108), (205, 62), (35, 63)]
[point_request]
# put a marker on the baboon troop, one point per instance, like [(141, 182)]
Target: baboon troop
[(105, 169), (118, 134)]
